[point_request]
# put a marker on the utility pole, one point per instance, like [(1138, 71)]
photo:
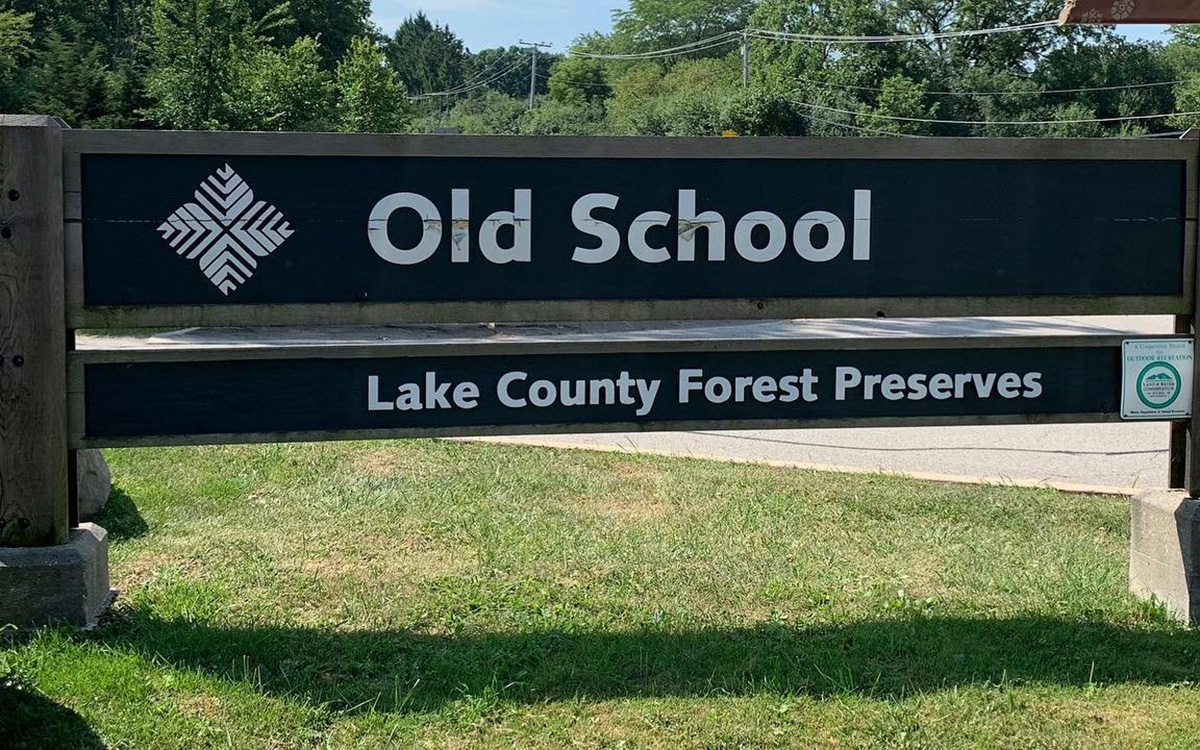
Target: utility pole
[(533, 46), (745, 63)]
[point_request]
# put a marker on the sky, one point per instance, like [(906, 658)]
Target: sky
[(499, 23)]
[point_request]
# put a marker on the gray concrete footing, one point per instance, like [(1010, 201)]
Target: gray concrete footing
[(62, 585), (1164, 551)]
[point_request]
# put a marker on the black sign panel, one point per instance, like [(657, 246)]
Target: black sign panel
[(160, 230), (512, 392)]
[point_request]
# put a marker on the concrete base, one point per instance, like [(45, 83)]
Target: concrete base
[(62, 585), (1164, 551)]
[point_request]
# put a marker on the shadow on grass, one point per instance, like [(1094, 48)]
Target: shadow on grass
[(121, 517), (399, 671), (29, 720)]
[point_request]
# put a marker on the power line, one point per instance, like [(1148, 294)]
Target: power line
[(718, 40), (585, 84), (1082, 89), (463, 88), (504, 56), (1124, 118), (887, 38), (470, 81)]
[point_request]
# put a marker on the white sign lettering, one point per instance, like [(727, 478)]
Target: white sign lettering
[(759, 236)]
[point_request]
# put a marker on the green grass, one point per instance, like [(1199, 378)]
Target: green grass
[(440, 594)]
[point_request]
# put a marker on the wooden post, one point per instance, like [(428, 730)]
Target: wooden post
[(1193, 426), (1177, 456), (33, 401)]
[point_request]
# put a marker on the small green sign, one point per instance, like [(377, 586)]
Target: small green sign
[(1156, 378)]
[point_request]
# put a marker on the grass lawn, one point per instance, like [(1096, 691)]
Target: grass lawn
[(441, 594)]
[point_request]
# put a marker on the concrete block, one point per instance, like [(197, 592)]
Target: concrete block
[(65, 584), (1164, 551)]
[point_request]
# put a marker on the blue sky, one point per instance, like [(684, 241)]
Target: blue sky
[(498, 23)]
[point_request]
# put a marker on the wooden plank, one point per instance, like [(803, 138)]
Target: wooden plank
[(326, 384), (1187, 442), (33, 440), (1178, 440), (402, 313), (343, 144), (80, 441), (561, 345)]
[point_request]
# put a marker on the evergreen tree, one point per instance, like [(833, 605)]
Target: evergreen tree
[(16, 40), (427, 57)]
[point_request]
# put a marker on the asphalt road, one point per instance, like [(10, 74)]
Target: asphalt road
[(1108, 456)]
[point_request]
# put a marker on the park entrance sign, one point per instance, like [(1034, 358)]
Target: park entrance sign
[(172, 229), (168, 229), (105, 229)]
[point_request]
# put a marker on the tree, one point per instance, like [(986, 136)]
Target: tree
[(657, 24), (333, 22), (1182, 53), (799, 65), (370, 100), (1014, 53), (507, 70), (764, 112), (1070, 125), (899, 98), (579, 81), (487, 113), (16, 38), (689, 99), (426, 57), (552, 117), (71, 78), (200, 48), (284, 90)]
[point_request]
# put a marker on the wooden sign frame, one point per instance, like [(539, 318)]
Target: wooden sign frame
[(43, 385)]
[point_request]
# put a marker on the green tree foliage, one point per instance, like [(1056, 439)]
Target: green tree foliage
[(427, 57), (656, 24), (309, 65), (370, 99), (16, 40), (900, 105), (491, 64), (764, 112), (553, 117), (72, 79), (499, 66), (579, 81), (284, 89), (201, 50), (333, 22), (1182, 54), (487, 113), (688, 99)]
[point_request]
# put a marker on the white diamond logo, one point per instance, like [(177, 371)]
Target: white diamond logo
[(226, 231)]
